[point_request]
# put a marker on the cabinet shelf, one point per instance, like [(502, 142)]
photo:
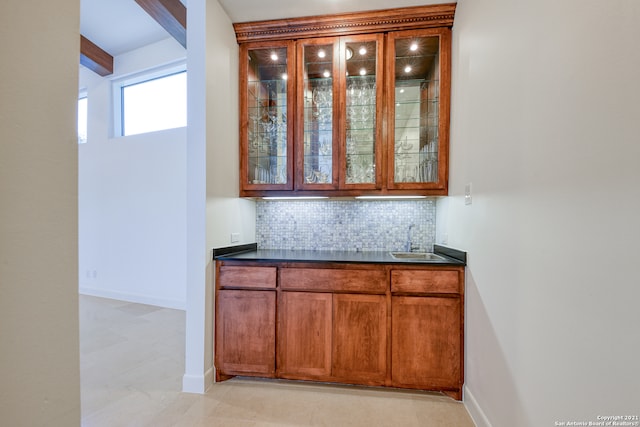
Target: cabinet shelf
[(419, 127), (325, 81), (360, 129), (422, 102), (268, 82)]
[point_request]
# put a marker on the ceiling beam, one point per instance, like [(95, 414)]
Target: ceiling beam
[(171, 15), (94, 58)]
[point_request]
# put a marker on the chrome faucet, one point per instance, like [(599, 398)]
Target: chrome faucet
[(409, 246)]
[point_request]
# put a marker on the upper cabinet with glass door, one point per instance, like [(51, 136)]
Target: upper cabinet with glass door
[(266, 106), (361, 163), (418, 133), (339, 113), (317, 137), (346, 105)]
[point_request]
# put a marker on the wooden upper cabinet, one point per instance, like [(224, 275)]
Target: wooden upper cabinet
[(361, 115), (266, 107), (339, 113), (344, 105), (418, 84), (318, 113)]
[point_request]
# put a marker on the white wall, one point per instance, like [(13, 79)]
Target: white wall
[(39, 352), (132, 196), (213, 207), (545, 125)]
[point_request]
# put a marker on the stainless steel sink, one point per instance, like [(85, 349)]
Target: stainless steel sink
[(423, 256)]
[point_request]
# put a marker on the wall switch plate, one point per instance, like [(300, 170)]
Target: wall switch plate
[(467, 194), (235, 237)]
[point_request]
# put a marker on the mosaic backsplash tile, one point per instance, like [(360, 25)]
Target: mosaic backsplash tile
[(346, 225)]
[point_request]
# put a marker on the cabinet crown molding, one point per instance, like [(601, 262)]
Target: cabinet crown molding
[(440, 15)]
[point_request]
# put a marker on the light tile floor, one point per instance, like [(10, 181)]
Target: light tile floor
[(132, 361)]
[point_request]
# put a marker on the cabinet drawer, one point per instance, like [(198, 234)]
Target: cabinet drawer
[(425, 281), (247, 277), (324, 279)]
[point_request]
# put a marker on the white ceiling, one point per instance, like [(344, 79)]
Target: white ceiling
[(119, 26)]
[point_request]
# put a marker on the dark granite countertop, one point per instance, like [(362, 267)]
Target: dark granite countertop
[(251, 253)]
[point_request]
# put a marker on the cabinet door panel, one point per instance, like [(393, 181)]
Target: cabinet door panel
[(426, 281), (247, 277), (426, 342), (245, 332), (340, 280), (361, 162), (266, 107), (318, 73), (304, 339), (360, 338), (418, 91)]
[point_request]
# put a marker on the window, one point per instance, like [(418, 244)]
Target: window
[(151, 102), (82, 119)]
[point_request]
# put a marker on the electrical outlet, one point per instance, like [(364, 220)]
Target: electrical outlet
[(235, 237), (467, 194)]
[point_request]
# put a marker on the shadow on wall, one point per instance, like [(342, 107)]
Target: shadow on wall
[(481, 347)]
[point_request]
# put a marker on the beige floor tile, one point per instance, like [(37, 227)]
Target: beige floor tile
[(132, 361)]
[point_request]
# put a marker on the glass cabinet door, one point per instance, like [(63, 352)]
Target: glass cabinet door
[(317, 133), (266, 151), (419, 113), (362, 116)]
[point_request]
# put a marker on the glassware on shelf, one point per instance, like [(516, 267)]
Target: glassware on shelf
[(416, 96), (361, 120), (267, 115), (318, 84)]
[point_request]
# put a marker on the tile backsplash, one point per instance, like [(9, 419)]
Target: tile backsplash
[(345, 225)]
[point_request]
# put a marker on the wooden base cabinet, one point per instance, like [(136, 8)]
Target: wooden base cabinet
[(427, 329), (245, 333), (426, 347), (333, 337), (367, 324), (245, 342), (304, 341), (360, 338)]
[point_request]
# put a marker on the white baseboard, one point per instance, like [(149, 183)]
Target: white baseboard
[(209, 378), (140, 299), (197, 384), (474, 409)]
